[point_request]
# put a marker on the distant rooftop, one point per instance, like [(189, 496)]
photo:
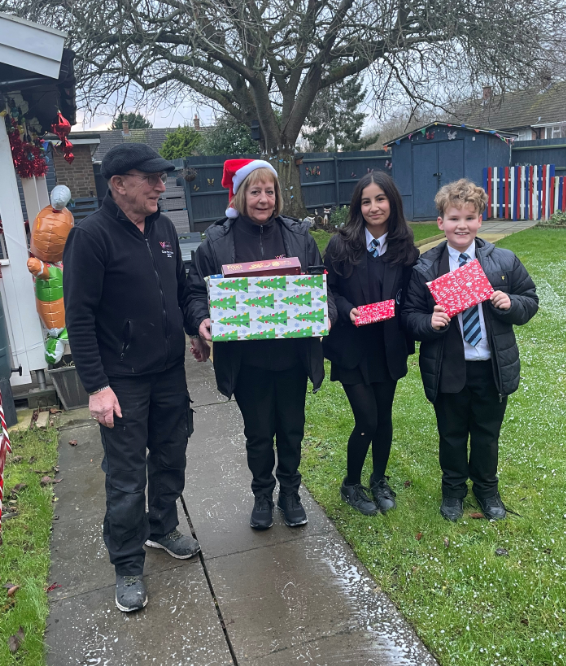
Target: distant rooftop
[(536, 106)]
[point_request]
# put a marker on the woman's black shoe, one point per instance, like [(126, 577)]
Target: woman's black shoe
[(356, 496), (262, 513), (452, 508), (293, 511), (492, 507), (382, 493)]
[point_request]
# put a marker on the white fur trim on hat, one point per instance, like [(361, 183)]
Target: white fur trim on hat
[(232, 213), (244, 172)]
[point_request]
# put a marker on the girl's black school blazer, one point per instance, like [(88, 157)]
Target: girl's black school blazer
[(347, 343)]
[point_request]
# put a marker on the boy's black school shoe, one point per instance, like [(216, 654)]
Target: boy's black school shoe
[(262, 513), (492, 507), (383, 494), (293, 511), (356, 496), (452, 508)]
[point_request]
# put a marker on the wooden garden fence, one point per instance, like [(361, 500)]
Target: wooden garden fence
[(524, 192)]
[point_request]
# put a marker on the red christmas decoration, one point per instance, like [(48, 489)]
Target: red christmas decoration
[(27, 155), (61, 127)]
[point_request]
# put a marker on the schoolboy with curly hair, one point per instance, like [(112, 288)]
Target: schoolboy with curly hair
[(470, 364)]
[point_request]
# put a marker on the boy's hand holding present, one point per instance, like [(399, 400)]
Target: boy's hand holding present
[(439, 318), (500, 300)]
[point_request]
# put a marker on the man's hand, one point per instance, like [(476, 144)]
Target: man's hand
[(354, 312), (103, 406), (204, 329), (439, 318), (200, 350), (500, 300)]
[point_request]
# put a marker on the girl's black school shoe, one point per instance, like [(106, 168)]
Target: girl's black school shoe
[(383, 494), (357, 497), (262, 513)]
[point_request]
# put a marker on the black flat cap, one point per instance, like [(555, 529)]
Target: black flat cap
[(126, 156)]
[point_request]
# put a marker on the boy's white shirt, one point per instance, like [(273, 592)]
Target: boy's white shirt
[(382, 242), (481, 351)]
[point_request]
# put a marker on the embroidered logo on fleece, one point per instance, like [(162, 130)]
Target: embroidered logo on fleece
[(166, 248)]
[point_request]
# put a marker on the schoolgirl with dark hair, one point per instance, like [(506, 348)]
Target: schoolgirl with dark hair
[(368, 261)]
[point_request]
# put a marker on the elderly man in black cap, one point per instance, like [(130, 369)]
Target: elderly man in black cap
[(125, 299)]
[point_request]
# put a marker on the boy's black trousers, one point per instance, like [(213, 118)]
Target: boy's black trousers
[(272, 403), (475, 413), (148, 444)]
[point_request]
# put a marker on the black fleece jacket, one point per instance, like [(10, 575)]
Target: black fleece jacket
[(505, 273), (125, 296)]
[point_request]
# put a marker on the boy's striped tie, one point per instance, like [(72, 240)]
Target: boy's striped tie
[(471, 316), (375, 247)]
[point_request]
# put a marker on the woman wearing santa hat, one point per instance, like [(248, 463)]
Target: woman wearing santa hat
[(267, 377)]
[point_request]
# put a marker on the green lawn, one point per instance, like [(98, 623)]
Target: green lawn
[(424, 230), (24, 555), (421, 231), (470, 606)]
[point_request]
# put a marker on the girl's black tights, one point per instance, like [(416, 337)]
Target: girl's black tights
[(371, 405)]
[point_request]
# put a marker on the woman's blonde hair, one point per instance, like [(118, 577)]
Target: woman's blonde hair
[(458, 194), (262, 174)]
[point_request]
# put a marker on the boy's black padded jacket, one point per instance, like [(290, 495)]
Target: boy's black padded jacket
[(505, 273)]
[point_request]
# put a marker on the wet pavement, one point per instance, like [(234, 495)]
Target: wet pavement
[(274, 598)]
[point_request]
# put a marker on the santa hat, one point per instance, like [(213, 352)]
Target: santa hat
[(235, 172)]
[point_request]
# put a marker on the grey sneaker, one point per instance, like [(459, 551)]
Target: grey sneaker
[(180, 546), (131, 594)]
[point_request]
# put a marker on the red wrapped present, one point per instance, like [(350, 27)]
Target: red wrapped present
[(285, 266), (461, 289), (373, 312)]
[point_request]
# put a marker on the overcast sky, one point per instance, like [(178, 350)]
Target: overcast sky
[(170, 116)]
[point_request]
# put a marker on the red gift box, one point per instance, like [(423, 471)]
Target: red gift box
[(286, 266), (461, 289), (373, 312)]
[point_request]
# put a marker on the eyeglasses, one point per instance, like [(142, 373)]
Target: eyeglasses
[(152, 178)]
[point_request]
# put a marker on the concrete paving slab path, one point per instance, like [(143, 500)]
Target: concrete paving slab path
[(275, 598)]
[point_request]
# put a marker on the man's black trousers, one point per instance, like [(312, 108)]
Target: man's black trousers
[(476, 412), (272, 403), (148, 444)]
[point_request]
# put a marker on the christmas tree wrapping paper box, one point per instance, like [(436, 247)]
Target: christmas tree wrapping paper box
[(374, 312), (268, 307), (461, 289)]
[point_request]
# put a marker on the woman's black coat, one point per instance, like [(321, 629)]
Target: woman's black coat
[(217, 250), (346, 344)]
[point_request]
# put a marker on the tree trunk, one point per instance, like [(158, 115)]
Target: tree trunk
[(290, 181)]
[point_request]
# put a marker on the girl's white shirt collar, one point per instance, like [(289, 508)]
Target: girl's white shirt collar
[(382, 242)]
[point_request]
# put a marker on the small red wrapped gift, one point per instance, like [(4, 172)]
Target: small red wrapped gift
[(373, 312), (285, 266), (461, 289)]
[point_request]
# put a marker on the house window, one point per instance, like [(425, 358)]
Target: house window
[(556, 131)]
